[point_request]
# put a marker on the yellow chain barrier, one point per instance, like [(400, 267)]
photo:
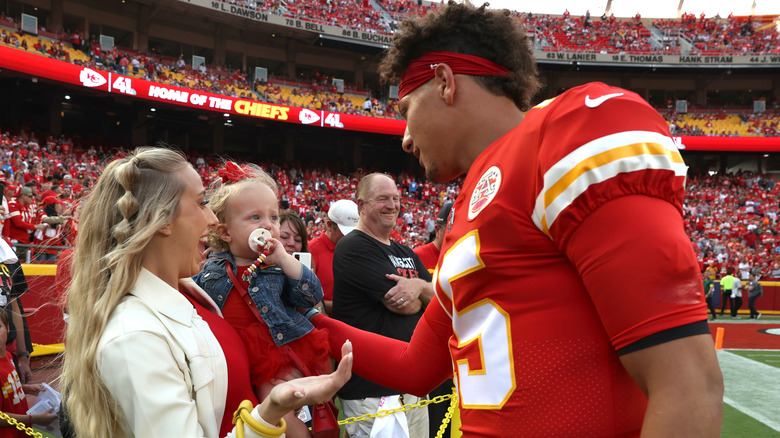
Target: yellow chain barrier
[(448, 415), (21, 426), (409, 407)]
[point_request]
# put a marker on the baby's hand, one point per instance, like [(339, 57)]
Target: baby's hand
[(276, 252), (279, 257)]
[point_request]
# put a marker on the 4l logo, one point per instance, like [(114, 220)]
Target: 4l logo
[(485, 191)]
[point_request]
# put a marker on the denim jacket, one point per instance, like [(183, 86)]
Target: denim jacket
[(274, 293)]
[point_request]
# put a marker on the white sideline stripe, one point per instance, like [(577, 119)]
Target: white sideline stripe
[(751, 387)]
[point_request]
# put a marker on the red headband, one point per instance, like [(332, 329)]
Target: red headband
[(421, 69)]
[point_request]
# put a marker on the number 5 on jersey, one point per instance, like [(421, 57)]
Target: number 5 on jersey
[(485, 365)]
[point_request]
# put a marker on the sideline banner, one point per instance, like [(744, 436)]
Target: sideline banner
[(727, 144), (110, 82), (32, 64)]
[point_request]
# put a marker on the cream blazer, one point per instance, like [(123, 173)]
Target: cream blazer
[(162, 364)]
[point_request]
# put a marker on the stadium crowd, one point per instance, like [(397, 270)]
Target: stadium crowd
[(582, 34), (717, 36), (723, 124), (400, 9), (318, 91), (354, 15), (706, 35), (732, 220), (310, 191), (59, 171)]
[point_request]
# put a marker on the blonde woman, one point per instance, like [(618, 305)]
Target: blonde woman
[(147, 355)]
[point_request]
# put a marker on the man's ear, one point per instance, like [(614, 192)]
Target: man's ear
[(223, 233), (444, 80)]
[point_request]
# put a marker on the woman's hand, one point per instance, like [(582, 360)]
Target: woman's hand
[(294, 394)]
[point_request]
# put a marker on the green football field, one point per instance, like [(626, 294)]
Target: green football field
[(751, 405)]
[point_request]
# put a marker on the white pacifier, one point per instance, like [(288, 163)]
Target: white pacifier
[(258, 239)]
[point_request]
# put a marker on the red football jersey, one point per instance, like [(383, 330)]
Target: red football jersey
[(13, 398), (534, 342)]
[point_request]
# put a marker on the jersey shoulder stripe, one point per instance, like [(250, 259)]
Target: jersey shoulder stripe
[(598, 161)]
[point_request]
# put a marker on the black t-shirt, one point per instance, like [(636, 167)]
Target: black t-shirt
[(359, 284)]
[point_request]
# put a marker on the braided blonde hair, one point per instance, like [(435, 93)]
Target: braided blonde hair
[(220, 194), (134, 198)]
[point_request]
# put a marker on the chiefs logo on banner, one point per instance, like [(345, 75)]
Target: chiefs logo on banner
[(91, 78)]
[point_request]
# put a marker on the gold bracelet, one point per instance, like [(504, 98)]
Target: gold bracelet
[(243, 415)]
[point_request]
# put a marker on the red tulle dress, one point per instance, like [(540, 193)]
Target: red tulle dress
[(266, 359)]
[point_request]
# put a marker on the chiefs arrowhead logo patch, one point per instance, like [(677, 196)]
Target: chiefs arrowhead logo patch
[(485, 191)]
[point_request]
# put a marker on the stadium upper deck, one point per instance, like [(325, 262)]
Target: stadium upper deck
[(302, 60), (692, 39)]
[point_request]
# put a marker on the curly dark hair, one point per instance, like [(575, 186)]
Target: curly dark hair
[(462, 28)]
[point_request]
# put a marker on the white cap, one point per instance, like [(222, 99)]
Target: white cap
[(345, 214)]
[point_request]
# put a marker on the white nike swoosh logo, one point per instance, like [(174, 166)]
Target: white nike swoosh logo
[(593, 103)]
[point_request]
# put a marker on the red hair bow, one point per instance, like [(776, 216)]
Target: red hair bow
[(232, 173)]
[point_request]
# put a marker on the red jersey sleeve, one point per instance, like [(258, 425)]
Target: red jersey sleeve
[(639, 268), (584, 162), (417, 367)]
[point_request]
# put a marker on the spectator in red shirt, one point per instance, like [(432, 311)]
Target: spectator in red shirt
[(51, 216), (342, 218), (20, 221)]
